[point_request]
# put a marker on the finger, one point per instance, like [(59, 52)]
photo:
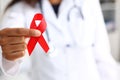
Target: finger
[(15, 32), (13, 48), (11, 40), (14, 56)]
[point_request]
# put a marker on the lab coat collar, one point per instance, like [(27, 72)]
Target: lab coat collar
[(49, 14), (64, 8)]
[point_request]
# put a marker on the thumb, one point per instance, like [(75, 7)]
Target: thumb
[(34, 33)]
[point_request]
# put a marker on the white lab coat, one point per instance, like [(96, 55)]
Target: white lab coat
[(87, 58)]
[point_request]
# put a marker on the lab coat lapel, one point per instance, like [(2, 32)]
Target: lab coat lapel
[(49, 15), (65, 5), (75, 24), (48, 11)]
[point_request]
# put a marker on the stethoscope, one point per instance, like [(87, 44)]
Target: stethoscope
[(75, 6)]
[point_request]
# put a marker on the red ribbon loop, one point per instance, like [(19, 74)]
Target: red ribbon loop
[(33, 40)]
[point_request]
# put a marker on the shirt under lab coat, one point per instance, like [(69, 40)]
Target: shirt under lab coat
[(88, 55)]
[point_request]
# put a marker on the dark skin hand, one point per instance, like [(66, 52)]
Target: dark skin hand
[(12, 41)]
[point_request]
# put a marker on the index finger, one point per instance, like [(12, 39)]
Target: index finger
[(16, 32)]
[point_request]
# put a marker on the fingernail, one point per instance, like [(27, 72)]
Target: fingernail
[(37, 33)]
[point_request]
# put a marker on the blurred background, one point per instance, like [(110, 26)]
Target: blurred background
[(111, 12)]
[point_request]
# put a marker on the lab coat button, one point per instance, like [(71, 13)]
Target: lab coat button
[(68, 45)]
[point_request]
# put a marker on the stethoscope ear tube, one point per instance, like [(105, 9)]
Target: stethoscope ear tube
[(78, 8)]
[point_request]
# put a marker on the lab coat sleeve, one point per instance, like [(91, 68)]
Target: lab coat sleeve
[(106, 65), (12, 18)]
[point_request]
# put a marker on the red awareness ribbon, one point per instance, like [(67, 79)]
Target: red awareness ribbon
[(33, 40)]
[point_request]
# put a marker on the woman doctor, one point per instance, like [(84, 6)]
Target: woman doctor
[(75, 31)]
